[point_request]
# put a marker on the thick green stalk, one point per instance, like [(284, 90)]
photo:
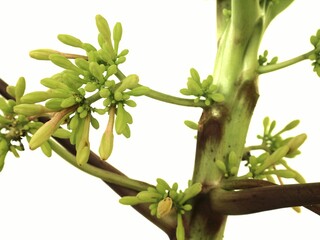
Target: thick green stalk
[(223, 127)]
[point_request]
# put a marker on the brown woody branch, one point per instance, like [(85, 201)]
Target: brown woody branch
[(251, 196)]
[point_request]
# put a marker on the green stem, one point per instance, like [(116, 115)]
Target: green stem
[(277, 66), (107, 176), (167, 98), (93, 98)]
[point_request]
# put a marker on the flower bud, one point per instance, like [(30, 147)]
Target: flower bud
[(65, 63), (103, 28), (70, 40), (117, 34), (47, 129), (30, 109), (164, 207), (42, 54), (35, 97), (20, 88), (106, 144), (82, 156)]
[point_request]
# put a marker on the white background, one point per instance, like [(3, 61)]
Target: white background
[(43, 198)]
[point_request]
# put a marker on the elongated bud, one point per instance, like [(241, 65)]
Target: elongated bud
[(289, 126), (129, 200), (70, 40), (82, 156), (162, 182), (68, 102), (180, 233), (3, 151), (296, 142), (30, 109), (96, 71), (164, 207), (35, 97), (147, 196), (138, 91), (131, 81), (194, 87), (46, 149), (195, 75), (63, 62), (61, 133), (106, 144), (20, 88), (222, 166), (42, 54), (191, 124), (103, 28), (273, 159), (190, 192), (117, 34), (47, 129)]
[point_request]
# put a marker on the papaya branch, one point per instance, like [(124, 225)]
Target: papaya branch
[(167, 224), (258, 195)]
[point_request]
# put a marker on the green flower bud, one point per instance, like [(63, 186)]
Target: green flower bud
[(217, 97), (147, 196), (191, 192), (185, 91), (42, 54), (180, 233), (70, 40), (82, 63), (123, 53), (296, 142), (82, 156), (194, 87), (61, 133), (273, 159), (117, 34), (120, 60), (35, 97), (163, 183), (46, 149), (103, 28), (106, 56), (63, 62), (113, 69), (195, 75), (68, 102), (20, 88), (221, 166), (54, 104), (191, 124), (30, 109), (106, 144), (129, 200), (138, 91), (131, 103), (97, 71), (207, 82), (11, 90), (47, 129), (131, 81), (104, 93)]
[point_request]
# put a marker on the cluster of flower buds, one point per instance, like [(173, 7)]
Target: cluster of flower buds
[(19, 120), (276, 149), (165, 199), (84, 80), (263, 59), (315, 56), (202, 89)]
